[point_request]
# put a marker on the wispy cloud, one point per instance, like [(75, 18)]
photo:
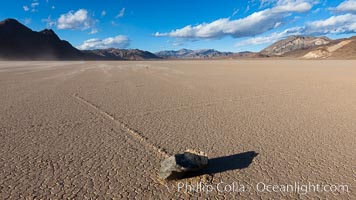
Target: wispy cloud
[(103, 13), (236, 10), (113, 23), (93, 31), (27, 21), (26, 8), (119, 41), (273, 37), (121, 13), (247, 9), (34, 6), (49, 22), (177, 44), (316, 11)]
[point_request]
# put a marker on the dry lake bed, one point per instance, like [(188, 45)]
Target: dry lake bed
[(281, 129)]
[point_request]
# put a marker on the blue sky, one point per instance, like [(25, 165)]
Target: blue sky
[(155, 25)]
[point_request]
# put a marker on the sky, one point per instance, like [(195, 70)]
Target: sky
[(157, 25)]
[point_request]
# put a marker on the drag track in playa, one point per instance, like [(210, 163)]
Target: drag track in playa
[(101, 129)]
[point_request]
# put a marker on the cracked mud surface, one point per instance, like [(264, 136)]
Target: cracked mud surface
[(101, 129)]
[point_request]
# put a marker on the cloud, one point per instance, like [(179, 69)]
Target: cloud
[(177, 44), (235, 12), (113, 23), (266, 3), (49, 22), (273, 37), (254, 24), (103, 13), (316, 11), (27, 21), (247, 9), (26, 8), (333, 25), (34, 6), (121, 13), (93, 31), (79, 20), (340, 24), (119, 41), (346, 6)]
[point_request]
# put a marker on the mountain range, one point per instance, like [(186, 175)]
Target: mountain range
[(18, 42), (293, 43), (307, 47), (187, 53), (122, 54)]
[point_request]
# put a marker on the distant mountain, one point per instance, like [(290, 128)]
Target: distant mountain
[(337, 49), (293, 43), (197, 54), (17, 42), (306, 47), (244, 54), (122, 54)]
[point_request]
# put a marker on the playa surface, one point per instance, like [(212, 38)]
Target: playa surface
[(101, 129)]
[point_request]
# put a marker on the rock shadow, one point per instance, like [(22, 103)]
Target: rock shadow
[(226, 163)]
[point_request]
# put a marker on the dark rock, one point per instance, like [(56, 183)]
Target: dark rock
[(179, 165)]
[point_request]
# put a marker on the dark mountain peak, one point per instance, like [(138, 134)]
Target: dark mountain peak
[(206, 51), (13, 25), (50, 33), (21, 43), (9, 21), (185, 50)]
